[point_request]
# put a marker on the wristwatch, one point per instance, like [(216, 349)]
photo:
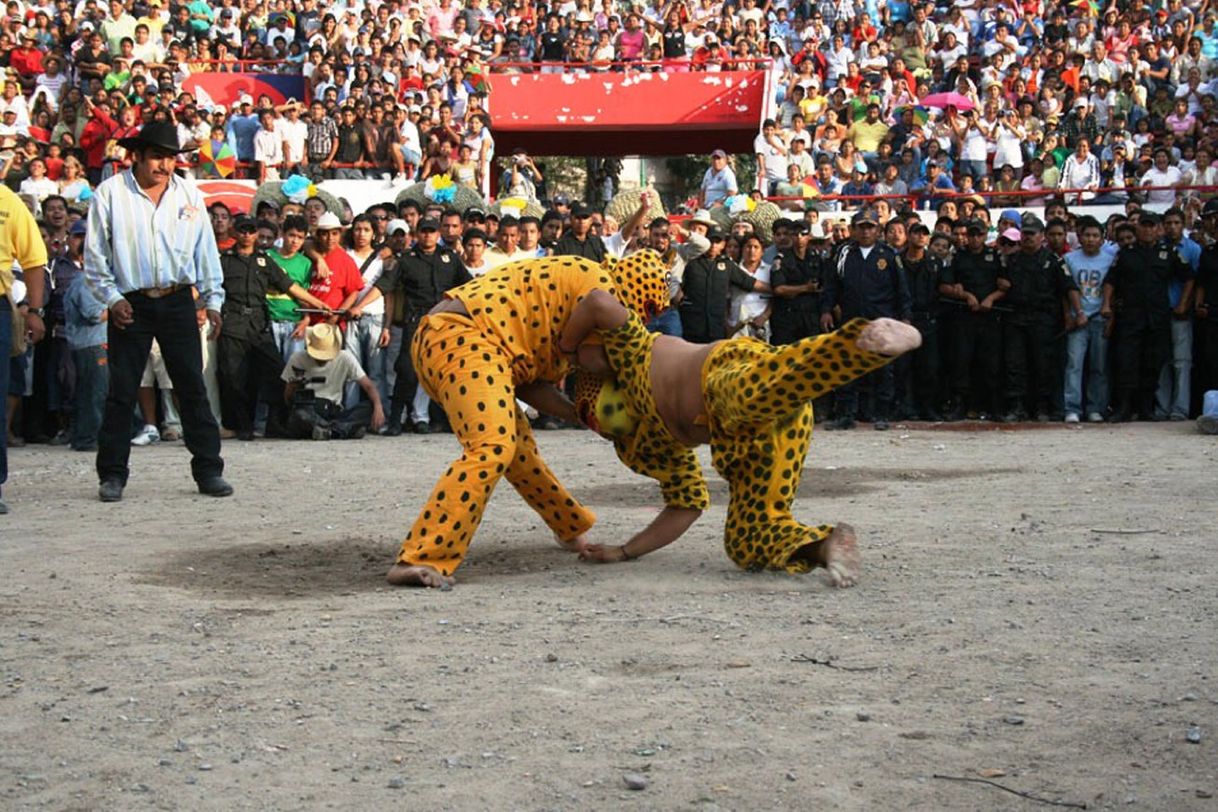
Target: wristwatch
[(40, 312)]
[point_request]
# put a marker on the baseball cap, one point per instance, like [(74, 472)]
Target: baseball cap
[(561, 199), (719, 154), (474, 213), (975, 227), (715, 234), (1149, 218), (1009, 214), (395, 225), (864, 216), (428, 225), (1012, 235), (581, 209), (243, 221), (1032, 223), (80, 227)]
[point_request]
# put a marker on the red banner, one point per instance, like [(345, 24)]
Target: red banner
[(228, 88), (627, 113)]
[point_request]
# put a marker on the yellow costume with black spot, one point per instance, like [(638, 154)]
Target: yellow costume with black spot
[(471, 364), (759, 413)]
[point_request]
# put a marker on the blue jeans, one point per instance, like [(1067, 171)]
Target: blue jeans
[(667, 323), (6, 348), (281, 334), (92, 381), (1087, 345), (363, 341), (1172, 397), (973, 169)]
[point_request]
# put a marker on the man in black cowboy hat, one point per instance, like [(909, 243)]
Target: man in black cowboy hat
[(149, 247)]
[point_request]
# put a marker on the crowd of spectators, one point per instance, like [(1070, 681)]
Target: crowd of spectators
[(1047, 95)]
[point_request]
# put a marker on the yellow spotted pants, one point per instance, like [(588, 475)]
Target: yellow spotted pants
[(758, 401), (470, 377)]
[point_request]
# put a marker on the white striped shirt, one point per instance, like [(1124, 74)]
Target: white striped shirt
[(132, 244)]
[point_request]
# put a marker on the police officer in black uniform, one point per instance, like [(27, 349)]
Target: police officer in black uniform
[(1037, 283), (706, 287), (1206, 302), (919, 373), (579, 241), (418, 279), (1138, 311), (865, 280), (795, 275), (972, 279), (249, 363)]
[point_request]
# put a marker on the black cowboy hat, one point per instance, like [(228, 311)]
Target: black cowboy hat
[(154, 135)]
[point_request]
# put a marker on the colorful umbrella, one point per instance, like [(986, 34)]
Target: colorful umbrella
[(217, 158), (948, 100), (921, 114), (1091, 7)]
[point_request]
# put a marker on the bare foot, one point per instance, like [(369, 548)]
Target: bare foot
[(419, 575), (575, 545), (839, 554), (889, 337)]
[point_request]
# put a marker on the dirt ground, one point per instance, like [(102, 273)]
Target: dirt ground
[(175, 651)]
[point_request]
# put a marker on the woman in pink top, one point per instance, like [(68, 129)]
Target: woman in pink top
[(1180, 121), (630, 42)]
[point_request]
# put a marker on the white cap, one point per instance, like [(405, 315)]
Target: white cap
[(395, 225)]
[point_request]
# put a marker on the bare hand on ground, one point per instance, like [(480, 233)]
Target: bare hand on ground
[(603, 553)]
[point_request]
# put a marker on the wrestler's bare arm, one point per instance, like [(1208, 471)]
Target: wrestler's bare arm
[(664, 529), (547, 399), (599, 310)]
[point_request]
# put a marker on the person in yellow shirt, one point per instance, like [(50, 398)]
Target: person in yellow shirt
[(20, 244), (491, 341), (867, 133)]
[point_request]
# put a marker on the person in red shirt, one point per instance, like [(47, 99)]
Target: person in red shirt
[(26, 60), (342, 285), (98, 131)]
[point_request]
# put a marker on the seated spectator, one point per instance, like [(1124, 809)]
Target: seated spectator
[(316, 378)]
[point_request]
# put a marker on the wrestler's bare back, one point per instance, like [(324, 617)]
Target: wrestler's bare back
[(676, 385)]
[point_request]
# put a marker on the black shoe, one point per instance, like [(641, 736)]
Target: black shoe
[(245, 436), (880, 425), (393, 429), (1121, 416), (215, 486), (357, 433), (61, 438), (110, 490), (421, 427)]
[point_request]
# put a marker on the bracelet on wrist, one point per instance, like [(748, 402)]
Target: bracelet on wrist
[(625, 555)]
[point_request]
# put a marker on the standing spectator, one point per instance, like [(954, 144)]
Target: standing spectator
[(708, 281), (294, 134), (1173, 398), (85, 328), (250, 362), (797, 277), (867, 281), (268, 148), (353, 152), (322, 141), (1036, 282), (919, 381), (338, 289), (287, 324), (771, 158), (368, 334), (1162, 174), (148, 244), (20, 246), (1136, 303), (719, 182), (1087, 341), (972, 279), (421, 277), (579, 241)]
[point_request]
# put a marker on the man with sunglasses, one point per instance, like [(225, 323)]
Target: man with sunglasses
[(250, 363)]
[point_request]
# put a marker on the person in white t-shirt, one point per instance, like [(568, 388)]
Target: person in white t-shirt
[(1161, 174), (294, 133), (268, 148), (316, 379)]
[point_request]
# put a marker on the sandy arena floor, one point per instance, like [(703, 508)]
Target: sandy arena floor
[(174, 651)]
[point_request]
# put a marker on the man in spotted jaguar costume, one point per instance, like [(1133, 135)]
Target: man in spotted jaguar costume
[(660, 396), (489, 342)]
